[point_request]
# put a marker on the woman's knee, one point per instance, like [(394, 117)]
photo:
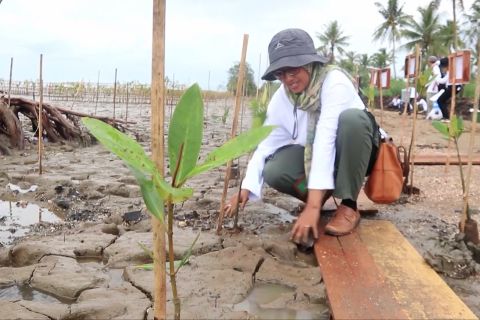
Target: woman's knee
[(353, 122)]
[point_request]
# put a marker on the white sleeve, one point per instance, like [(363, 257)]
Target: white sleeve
[(338, 94), (279, 137)]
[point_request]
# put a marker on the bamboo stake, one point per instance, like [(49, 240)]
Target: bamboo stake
[(452, 112), (380, 90), (258, 81), (465, 213), (411, 151), (206, 96), (10, 81), (157, 129), (114, 93), (40, 116), (405, 110), (239, 171), (238, 94), (98, 88), (126, 108)]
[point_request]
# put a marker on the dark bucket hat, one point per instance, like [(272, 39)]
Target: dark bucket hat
[(291, 48)]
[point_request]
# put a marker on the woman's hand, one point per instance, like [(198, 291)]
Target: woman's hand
[(306, 223), (309, 218), (235, 200)]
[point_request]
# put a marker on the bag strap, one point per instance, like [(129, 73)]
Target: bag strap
[(403, 162), (405, 165)]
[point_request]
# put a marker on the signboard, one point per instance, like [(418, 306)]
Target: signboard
[(410, 66), (459, 67), (380, 77), (374, 77), (385, 78)]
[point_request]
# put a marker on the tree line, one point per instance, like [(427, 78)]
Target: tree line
[(398, 31)]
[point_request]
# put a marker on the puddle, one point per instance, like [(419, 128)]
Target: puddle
[(25, 292), (16, 217), (263, 294)]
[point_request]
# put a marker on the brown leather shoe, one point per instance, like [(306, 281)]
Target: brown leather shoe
[(343, 222)]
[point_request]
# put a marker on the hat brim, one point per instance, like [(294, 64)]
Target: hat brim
[(291, 61)]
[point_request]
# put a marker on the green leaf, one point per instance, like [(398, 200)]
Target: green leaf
[(185, 133), (442, 128), (169, 193), (187, 255), (119, 143), (136, 159), (146, 266), (146, 250), (150, 195), (149, 266), (456, 126), (232, 149)]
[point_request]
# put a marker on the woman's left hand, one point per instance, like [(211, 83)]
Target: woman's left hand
[(306, 223)]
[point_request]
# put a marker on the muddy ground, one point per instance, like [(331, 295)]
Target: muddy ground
[(83, 266)]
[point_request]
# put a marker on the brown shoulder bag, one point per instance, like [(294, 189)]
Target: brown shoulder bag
[(385, 183)]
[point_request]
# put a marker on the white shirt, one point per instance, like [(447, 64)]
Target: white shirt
[(338, 94), (432, 85)]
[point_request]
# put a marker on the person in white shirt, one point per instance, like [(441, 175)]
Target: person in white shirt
[(432, 84), (324, 143), (444, 83)]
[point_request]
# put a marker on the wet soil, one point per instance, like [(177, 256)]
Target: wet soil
[(92, 192)]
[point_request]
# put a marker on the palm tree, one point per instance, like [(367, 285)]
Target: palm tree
[(350, 62), (333, 40), (454, 24), (395, 20), (425, 32), (472, 28), (381, 59), (446, 38)]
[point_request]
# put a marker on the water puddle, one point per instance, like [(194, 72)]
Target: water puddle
[(17, 217), (25, 292), (266, 293)]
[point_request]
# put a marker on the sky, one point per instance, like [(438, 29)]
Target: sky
[(82, 40)]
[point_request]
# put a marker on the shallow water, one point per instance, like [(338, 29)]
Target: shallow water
[(25, 292), (16, 217), (266, 293)]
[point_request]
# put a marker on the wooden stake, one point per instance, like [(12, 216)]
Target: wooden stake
[(258, 81), (126, 108), (10, 81), (411, 151), (40, 116), (380, 90), (98, 88), (452, 112), (405, 110), (114, 93), (238, 96), (207, 96), (470, 148), (157, 128)]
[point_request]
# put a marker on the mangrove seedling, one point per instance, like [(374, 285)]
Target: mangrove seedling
[(184, 142), (453, 131)]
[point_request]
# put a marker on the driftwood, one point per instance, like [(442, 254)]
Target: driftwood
[(57, 123)]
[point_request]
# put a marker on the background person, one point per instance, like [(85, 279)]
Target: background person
[(324, 141), (432, 85), (444, 83)]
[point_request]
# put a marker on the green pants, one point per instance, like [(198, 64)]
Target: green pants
[(355, 154)]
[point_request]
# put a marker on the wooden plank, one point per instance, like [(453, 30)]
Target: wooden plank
[(356, 288), (417, 287), (441, 159)]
